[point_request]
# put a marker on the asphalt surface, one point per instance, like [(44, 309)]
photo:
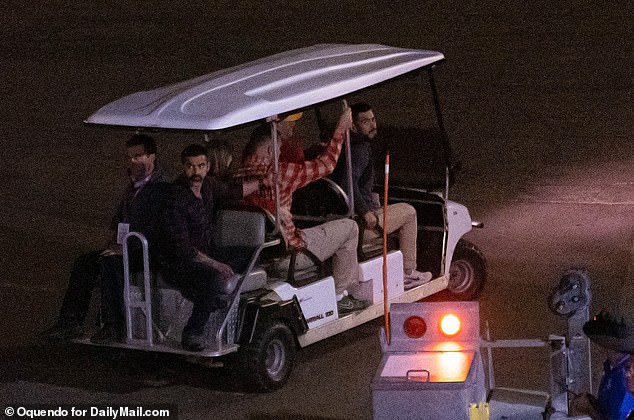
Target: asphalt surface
[(537, 101)]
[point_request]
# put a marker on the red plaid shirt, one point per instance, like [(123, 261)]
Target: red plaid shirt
[(293, 176)]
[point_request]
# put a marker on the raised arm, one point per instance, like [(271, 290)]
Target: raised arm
[(308, 171)]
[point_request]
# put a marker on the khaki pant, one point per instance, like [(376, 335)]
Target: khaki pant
[(401, 217), (337, 239)]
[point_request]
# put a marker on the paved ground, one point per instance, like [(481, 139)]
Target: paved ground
[(537, 101)]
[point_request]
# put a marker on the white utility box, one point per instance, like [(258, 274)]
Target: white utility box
[(424, 374)]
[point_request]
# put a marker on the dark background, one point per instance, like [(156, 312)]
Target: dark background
[(537, 101)]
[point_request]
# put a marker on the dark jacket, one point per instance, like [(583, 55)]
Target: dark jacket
[(139, 207), (362, 173), (185, 221)]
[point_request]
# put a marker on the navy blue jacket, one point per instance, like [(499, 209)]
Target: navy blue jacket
[(362, 173)]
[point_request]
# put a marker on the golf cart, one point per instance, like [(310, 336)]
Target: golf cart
[(270, 315)]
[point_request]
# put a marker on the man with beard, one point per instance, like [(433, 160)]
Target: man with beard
[(133, 214), (188, 259), (402, 216)]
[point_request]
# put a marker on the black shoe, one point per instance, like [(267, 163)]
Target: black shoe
[(193, 342), (62, 332), (106, 335), (349, 304)]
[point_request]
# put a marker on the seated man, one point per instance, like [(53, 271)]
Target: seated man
[(132, 214), (337, 238), (402, 216), (188, 258)]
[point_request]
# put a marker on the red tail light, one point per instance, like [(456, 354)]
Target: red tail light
[(415, 327)]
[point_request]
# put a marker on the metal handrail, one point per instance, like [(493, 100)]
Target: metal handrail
[(235, 294), (147, 307)]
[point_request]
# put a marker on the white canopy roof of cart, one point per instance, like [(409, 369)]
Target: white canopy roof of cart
[(263, 88)]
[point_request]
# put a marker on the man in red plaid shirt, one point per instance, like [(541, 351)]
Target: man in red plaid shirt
[(337, 238)]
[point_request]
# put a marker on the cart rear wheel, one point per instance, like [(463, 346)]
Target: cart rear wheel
[(467, 273), (268, 360)]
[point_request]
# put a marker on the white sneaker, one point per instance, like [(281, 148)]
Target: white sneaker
[(416, 278)]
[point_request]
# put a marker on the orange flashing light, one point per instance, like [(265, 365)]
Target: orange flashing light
[(450, 325)]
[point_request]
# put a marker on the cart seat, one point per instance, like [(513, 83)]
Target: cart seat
[(319, 202)]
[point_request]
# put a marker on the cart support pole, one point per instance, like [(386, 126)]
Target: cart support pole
[(386, 306), (348, 154)]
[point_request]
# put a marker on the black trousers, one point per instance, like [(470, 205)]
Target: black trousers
[(83, 279), (90, 270), (112, 279), (200, 284)]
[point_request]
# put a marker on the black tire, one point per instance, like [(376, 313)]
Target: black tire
[(268, 360), (467, 273)]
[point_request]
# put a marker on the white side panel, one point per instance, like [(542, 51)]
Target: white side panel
[(317, 300), (371, 287), (459, 223)]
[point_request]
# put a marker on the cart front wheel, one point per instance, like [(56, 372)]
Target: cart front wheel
[(467, 273), (268, 360)]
